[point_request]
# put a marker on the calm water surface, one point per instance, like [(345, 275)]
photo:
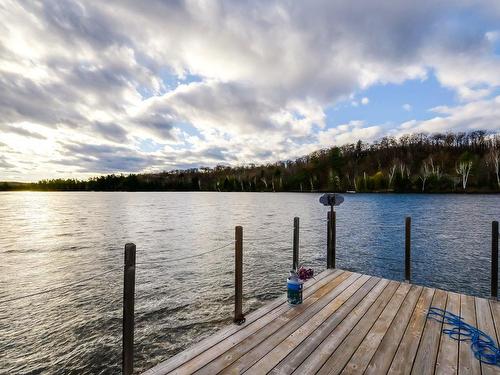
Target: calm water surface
[(49, 240)]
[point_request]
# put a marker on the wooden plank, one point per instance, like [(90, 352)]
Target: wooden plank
[(323, 352), (382, 359), (370, 329), (335, 323), (253, 355), (447, 359), (425, 360), (348, 323), (230, 350), (303, 320), (495, 312), (254, 321), (485, 324), (467, 363), (403, 360), (281, 349), (364, 353)]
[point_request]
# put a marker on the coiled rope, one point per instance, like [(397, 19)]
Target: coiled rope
[(483, 346)]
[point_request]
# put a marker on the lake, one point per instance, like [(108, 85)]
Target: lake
[(49, 240)]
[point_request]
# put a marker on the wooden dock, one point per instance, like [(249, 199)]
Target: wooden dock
[(348, 323)]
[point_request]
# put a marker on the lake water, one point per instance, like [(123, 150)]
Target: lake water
[(49, 240)]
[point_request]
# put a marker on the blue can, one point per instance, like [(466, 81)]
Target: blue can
[(294, 289)]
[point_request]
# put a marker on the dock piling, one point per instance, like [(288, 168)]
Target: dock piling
[(328, 239), (128, 309), (331, 239), (334, 239), (408, 249), (494, 259), (238, 276), (296, 222)]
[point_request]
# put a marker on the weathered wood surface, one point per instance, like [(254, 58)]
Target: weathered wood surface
[(348, 324)]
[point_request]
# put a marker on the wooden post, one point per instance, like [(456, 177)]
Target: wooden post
[(333, 223), (296, 243), (408, 249), (331, 239), (328, 239), (494, 259), (238, 276), (128, 310)]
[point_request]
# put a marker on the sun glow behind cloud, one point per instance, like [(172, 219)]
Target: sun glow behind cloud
[(100, 87)]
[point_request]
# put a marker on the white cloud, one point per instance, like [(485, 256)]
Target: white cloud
[(266, 72), (407, 107), (349, 133), (481, 114), (492, 36)]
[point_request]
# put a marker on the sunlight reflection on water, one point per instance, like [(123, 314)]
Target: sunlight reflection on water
[(50, 239)]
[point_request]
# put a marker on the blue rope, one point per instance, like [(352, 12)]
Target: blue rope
[(483, 346)]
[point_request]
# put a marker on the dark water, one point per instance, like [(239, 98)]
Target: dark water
[(52, 239)]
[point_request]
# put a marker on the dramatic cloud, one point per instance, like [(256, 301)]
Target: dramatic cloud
[(350, 133), (127, 86), (20, 131), (4, 164), (483, 114)]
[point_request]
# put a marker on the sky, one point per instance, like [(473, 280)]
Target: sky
[(98, 87)]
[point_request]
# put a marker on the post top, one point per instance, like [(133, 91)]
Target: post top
[(331, 199)]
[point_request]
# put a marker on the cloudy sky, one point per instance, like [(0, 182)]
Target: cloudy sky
[(96, 87)]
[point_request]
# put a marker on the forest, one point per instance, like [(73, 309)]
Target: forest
[(435, 163)]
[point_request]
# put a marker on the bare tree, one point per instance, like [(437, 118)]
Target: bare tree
[(403, 170), (336, 180), (311, 182), (348, 180), (463, 169), (263, 179), (435, 169), (392, 171), (494, 158), (331, 181), (425, 172)]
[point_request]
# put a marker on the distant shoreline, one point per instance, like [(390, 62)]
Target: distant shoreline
[(461, 163), (472, 192)]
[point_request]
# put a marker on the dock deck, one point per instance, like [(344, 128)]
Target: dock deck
[(348, 323)]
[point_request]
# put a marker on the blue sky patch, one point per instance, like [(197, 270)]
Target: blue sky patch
[(393, 103)]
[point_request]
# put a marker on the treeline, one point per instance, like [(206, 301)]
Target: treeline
[(452, 162)]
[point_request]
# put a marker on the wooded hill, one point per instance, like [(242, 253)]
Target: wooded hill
[(452, 162)]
